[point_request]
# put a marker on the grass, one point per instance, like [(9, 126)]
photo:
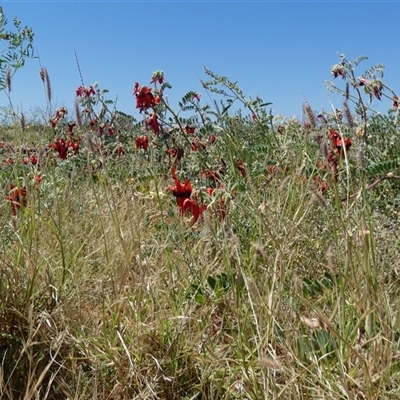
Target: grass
[(280, 290)]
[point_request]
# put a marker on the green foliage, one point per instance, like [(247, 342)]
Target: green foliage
[(16, 48), (383, 168)]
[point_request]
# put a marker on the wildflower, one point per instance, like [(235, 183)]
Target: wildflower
[(338, 142), (374, 87), (74, 145), (31, 160), (322, 185), (189, 129), (54, 121), (17, 198), (60, 113), (212, 139), (142, 142), (338, 70), (83, 91), (177, 152), (158, 76), (196, 96), (61, 148), (194, 208), (196, 144), (241, 167), (180, 191), (119, 151), (153, 122), (144, 97), (363, 81), (377, 88), (346, 142), (332, 162), (92, 123), (71, 126), (38, 179)]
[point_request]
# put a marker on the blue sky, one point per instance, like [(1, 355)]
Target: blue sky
[(282, 51)]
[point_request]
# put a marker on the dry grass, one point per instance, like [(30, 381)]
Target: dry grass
[(108, 292)]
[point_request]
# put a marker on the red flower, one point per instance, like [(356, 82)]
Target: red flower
[(70, 129), (189, 129), (338, 142), (196, 96), (17, 198), (92, 123), (212, 139), (142, 142), (120, 151), (73, 145), (332, 162), (54, 121), (181, 192), (61, 147), (153, 122), (144, 97), (83, 91), (194, 208), (60, 113), (241, 167), (322, 185)]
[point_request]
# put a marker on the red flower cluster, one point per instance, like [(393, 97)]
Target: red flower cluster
[(180, 191), (142, 142), (60, 113), (145, 98), (189, 129), (17, 198), (196, 144), (333, 155), (31, 160), (212, 139), (83, 91), (188, 201), (338, 143), (119, 151), (153, 122), (61, 146)]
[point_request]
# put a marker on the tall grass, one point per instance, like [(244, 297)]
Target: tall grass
[(286, 287)]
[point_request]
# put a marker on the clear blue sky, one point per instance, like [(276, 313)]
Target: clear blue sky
[(282, 51)]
